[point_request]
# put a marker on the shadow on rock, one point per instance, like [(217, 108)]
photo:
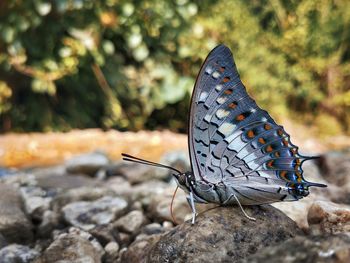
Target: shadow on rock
[(224, 234)]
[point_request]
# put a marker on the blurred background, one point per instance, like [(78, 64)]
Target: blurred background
[(131, 65)]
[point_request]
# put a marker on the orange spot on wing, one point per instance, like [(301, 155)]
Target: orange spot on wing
[(226, 79), (280, 132), (250, 134), (267, 127), (285, 142), (283, 174), (222, 69), (261, 140), (240, 117), (269, 148), (232, 105), (277, 154), (228, 91), (270, 163)]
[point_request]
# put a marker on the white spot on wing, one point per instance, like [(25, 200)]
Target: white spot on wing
[(221, 100), (222, 113), (253, 110), (207, 117), (216, 75), (263, 119), (226, 128), (209, 70), (203, 96), (218, 87)]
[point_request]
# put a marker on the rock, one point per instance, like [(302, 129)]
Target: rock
[(335, 167), (86, 215), (119, 186), (137, 252), (159, 207), (224, 234), (50, 221), (153, 229), (3, 242), (327, 217), (112, 252), (60, 182), (87, 163), (18, 254), (125, 239), (321, 249), (71, 248), (105, 234), (177, 159), (36, 201), (144, 192), (131, 223), (14, 225), (136, 173), (79, 194), (87, 236)]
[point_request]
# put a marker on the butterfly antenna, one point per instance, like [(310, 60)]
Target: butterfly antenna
[(130, 158), (171, 206)]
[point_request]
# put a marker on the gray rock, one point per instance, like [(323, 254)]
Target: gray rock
[(18, 254), (138, 251), (87, 163), (14, 225), (224, 234), (79, 194), (86, 215), (153, 229), (3, 242), (87, 236), (136, 173), (65, 182), (329, 218), (105, 234), (50, 220), (146, 191), (70, 248), (112, 252), (131, 223), (177, 159), (321, 249), (36, 201), (119, 185)]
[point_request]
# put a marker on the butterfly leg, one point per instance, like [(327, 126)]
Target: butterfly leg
[(239, 203), (190, 201)]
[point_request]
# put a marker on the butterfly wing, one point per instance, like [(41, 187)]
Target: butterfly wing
[(233, 141)]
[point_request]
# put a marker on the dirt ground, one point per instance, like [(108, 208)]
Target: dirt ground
[(42, 149)]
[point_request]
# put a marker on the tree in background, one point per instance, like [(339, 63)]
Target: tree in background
[(132, 64)]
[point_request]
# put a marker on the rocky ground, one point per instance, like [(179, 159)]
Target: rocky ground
[(91, 209)]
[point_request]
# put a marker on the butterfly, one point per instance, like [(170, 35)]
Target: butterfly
[(238, 153)]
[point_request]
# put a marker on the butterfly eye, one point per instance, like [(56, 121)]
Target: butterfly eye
[(182, 179)]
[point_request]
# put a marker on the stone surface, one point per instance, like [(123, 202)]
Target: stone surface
[(138, 251), (3, 242), (14, 224), (320, 249), (36, 201), (87, 193), (86, 215), (70, 248), (59, 182), (136, 173), (50, 220), (112, 252), (105, 234), (131, 223), (224, 234), (328, 217), (87, 163), (119, 185), (18, 254)]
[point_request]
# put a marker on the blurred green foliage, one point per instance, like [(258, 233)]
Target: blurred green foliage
[(132, 64)]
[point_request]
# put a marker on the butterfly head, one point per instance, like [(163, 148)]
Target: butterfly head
[(185, 180)]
